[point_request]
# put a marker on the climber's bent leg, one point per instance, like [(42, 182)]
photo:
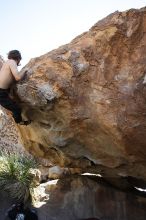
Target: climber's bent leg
[(9, 104)]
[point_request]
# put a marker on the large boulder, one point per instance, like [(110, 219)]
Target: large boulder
[(87, 100), (87, 103)]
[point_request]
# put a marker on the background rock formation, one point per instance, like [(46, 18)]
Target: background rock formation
[(78, 198), (10, 137), (81, 198), (1, 62)]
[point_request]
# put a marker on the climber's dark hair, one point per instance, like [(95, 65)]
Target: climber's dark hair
[(14, 55)]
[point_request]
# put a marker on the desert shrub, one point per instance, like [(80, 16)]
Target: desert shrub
[(15, 177)]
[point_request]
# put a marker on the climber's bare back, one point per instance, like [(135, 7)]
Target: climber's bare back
[(8, 74)]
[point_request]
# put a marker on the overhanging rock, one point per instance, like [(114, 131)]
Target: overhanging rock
[(87, 100)]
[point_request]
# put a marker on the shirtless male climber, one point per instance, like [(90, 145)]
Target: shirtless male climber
[(8, 75)]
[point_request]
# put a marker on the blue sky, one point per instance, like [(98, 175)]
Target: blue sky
[(37, 26)]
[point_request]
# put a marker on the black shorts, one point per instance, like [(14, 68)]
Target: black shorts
[(9, 104)]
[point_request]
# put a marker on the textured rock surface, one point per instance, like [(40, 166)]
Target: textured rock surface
[(1, 62), (82, 198), (10, 137), (87, 100), (57, 172), (88, 106)]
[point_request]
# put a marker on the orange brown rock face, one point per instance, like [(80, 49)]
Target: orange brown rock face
[(87, 100)]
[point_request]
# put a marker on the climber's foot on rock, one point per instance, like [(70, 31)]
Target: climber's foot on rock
[(25, 122)]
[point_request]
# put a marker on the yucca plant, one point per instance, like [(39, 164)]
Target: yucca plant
[(15, 177)]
